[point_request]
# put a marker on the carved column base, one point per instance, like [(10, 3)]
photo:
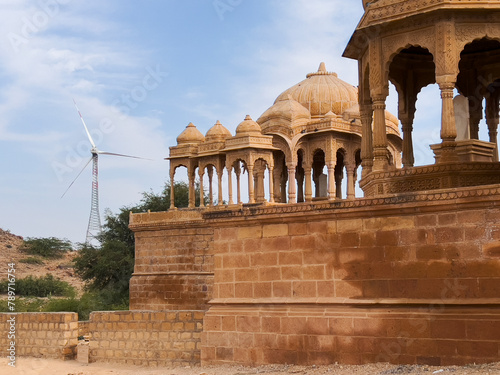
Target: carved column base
[(445, 152)]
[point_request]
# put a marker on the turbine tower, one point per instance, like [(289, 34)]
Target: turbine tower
[(94, 228)]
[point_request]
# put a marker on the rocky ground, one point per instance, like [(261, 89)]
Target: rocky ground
[(27, 366), (59, 268)]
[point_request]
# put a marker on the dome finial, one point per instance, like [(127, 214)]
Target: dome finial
[(322, 68)]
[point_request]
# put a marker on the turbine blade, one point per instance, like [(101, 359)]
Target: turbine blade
[(84, 125), (76, 178), (125, 156)]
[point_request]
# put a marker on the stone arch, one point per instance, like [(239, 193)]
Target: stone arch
[(479, 80)]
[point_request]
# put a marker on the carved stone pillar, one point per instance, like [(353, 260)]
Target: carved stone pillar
[(350, 169), (308, 178), (172, 190), (192, 190), (292, 184), (251, 191), (210, 171), (230, 184), (237, 171), (271, 184), (366, 113), (448, 126), (408, 156), (201, 173), (220, 199), (339, 176), (476, 115), (380, 152), (331, 182), (492, 120)]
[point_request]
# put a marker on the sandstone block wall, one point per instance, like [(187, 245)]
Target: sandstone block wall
[(41, 335), (173, 269), (146, 338), (413, 279)]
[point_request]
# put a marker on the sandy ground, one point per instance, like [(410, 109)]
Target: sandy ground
[(31, 366)]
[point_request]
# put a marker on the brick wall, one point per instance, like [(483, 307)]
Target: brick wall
[(173, 268), (146, 338), (41, 335)]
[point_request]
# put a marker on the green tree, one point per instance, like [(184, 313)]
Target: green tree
[(49, 248)]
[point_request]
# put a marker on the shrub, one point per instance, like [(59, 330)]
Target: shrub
[(32, 260), (50, 248), (40, 287)]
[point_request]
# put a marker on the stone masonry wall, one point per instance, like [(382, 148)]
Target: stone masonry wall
[(40, 335), (173, 266), (146, 338), (411, 279)]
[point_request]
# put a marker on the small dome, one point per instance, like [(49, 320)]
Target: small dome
[(290, 110), (217, 132), (248, 126), (190, 135), (322, 92)]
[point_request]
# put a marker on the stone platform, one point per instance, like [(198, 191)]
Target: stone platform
[(408, 278)]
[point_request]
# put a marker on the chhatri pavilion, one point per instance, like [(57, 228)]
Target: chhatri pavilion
[(312, 128)]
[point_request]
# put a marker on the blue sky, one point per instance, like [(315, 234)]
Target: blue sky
[(140, 71)]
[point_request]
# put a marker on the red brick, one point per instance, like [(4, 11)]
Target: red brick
[(317, 227), (430, 252), (326, 289), (448, 329), (349, 239), (449, 234), (313, 272), (317, 326), (269, 274), (387, 238), (426, 221), (243, 290), (236, 261), (290, 257), (224, 354), (305, 289), (293, 325), (447, 219), (341, 326), (264, 259), (271, 324), (228, 323), (291, 273), (248, 324), (282, 289), (302, 243), (262, 290), (276, 244), (297, 229)]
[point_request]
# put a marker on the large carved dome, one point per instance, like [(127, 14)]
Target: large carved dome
[(322, 92)]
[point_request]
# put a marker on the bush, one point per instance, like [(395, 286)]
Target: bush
[(49, 248), (24, 305), (32, 260), (40, 287)]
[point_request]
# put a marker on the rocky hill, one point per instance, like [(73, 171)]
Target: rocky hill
[(59, 268)]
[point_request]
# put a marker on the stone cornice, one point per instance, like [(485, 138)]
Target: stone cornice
[(480, 197)]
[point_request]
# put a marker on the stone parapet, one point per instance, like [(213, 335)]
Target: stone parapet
[(40, 335), (146, 338)]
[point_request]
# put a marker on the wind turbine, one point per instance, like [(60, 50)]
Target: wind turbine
[(94, 227)]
